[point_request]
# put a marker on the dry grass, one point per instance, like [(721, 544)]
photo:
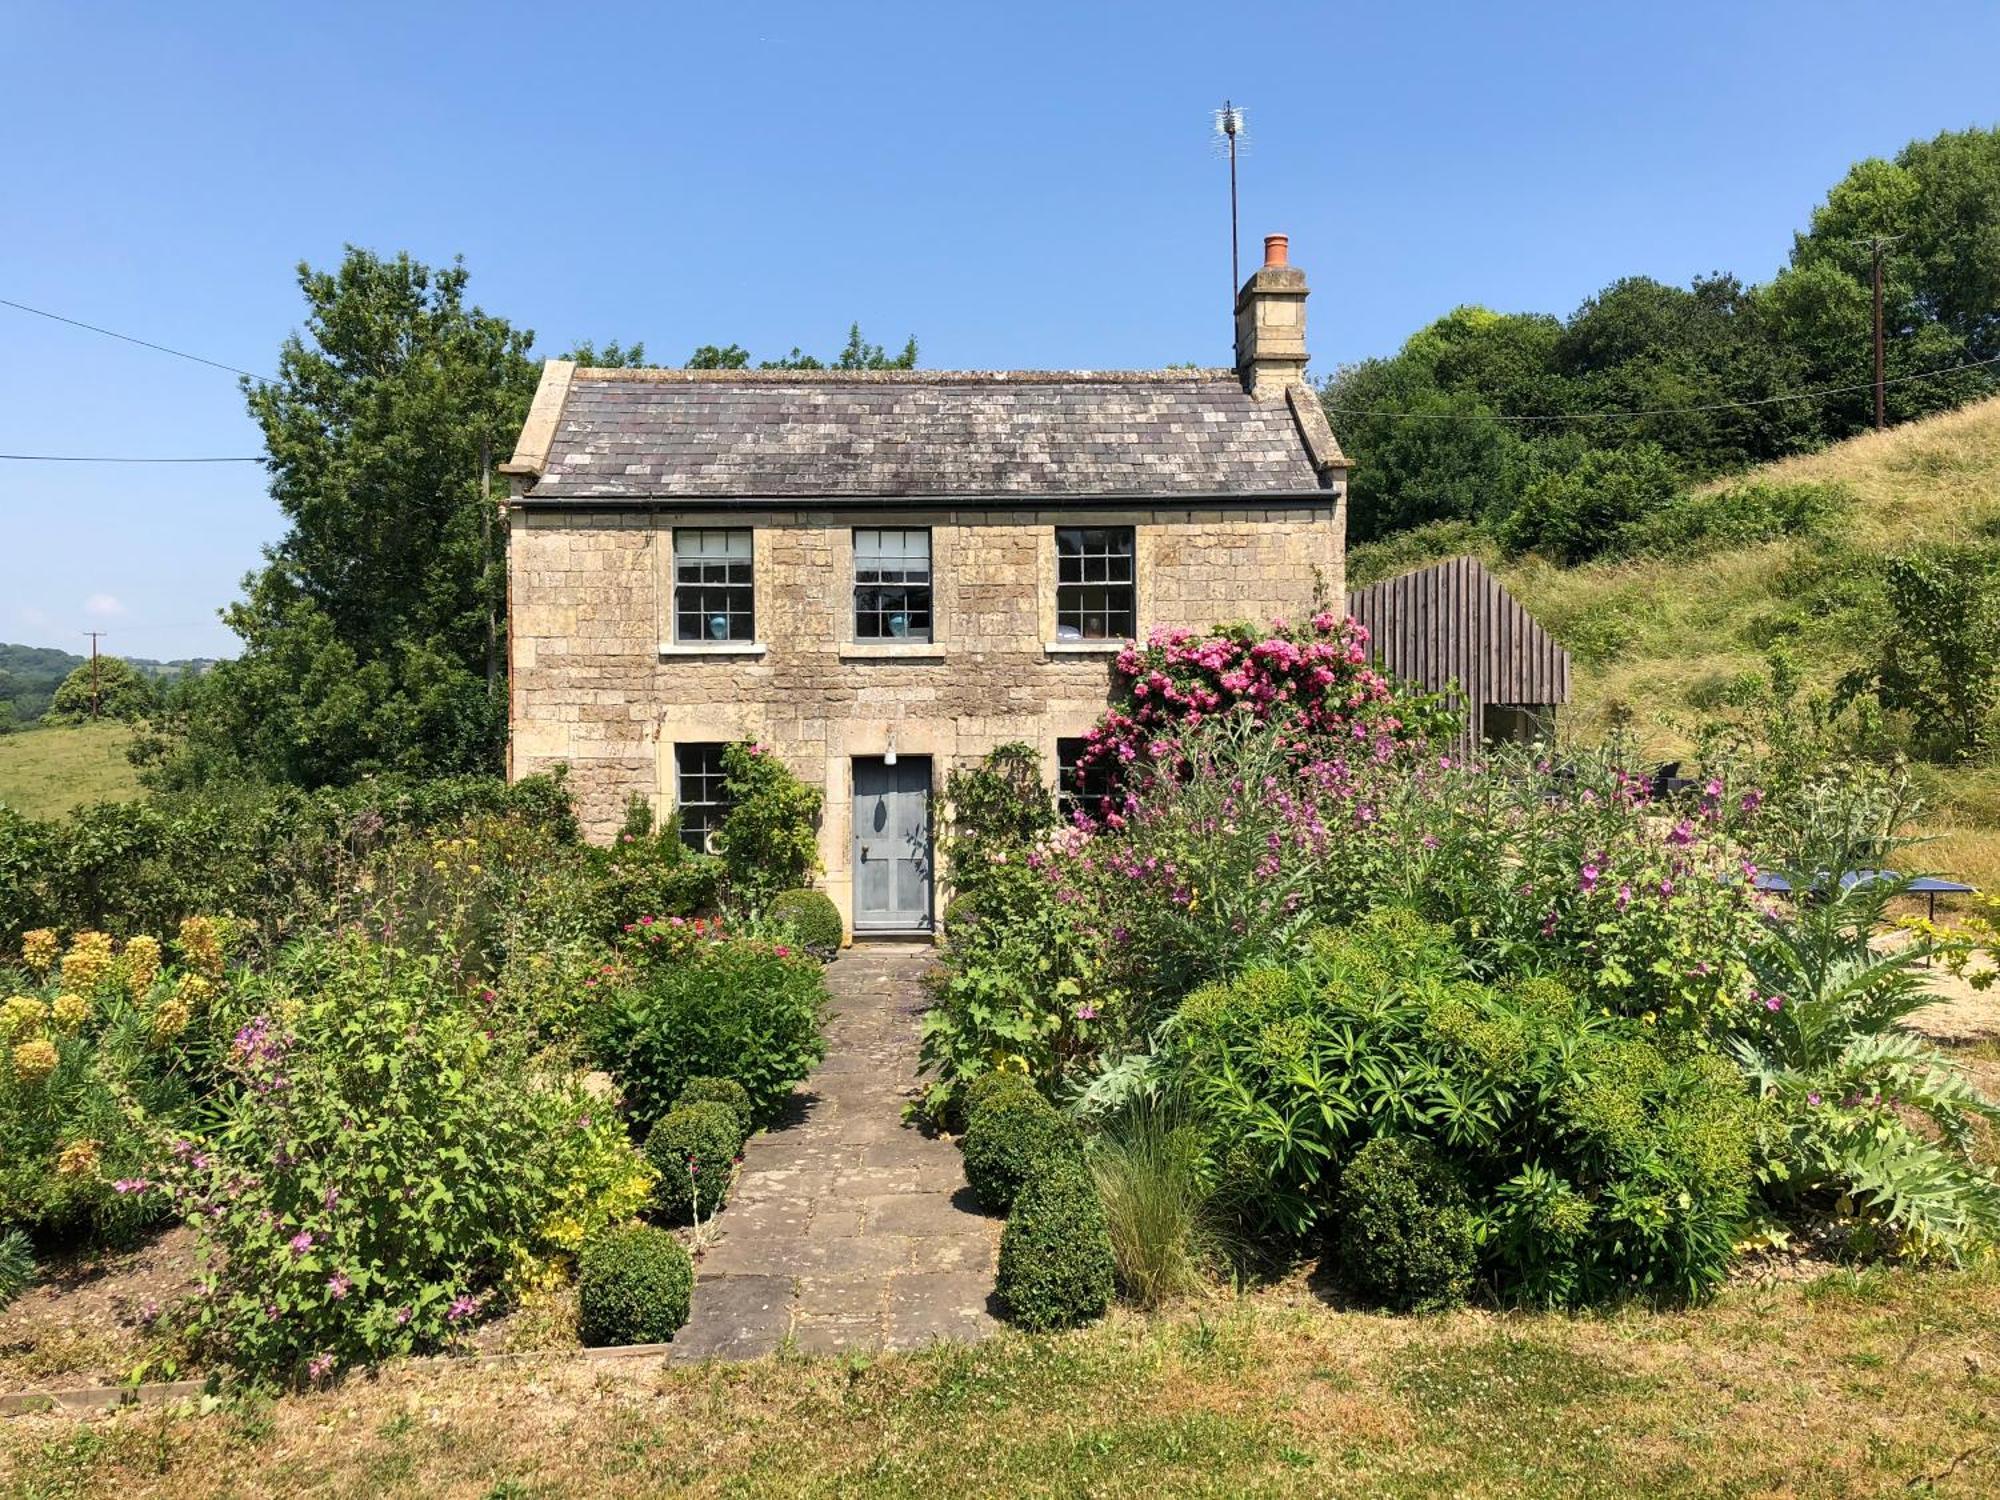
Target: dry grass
[(1854, 1385), (46, 772)]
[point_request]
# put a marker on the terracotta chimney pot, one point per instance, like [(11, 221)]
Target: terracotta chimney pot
[(1277, 249)]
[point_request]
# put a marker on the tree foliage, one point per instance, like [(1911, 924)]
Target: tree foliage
[(109, 688)]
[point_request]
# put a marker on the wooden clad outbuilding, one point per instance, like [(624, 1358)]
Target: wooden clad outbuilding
[(1454, 625)]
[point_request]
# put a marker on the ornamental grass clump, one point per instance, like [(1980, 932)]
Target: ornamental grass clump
[(633, 1287), (694, 1149), (1057, 1268), (1009, 1139)]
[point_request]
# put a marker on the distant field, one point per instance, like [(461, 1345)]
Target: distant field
[(44, 772)]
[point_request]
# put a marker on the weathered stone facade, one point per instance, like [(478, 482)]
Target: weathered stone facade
[(598, 683), (1230, 481)]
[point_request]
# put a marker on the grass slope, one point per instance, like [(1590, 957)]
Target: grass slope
[(1856, 1385), (44, 772)]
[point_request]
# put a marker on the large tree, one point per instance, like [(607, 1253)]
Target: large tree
[(373, 635)]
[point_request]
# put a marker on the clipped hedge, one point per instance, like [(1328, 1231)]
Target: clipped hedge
[(992, 1084), (1056, 1264), (633, 1286), (1406, 1234), (1009, 1139), (705, 1136), (812, 917), (725, 1091)]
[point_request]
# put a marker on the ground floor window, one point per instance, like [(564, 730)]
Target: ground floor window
[(1077, 785), (700, 797)]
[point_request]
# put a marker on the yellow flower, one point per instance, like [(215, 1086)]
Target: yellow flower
[(69, 1013), (88, 961), (201, 945), (34, 1061), (190, 990), (38, 949), (78, 1159), (21, 1013), (141, 961), (171, 1019)]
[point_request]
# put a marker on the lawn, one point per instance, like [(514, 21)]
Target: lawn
[(46, 772), (1857, 1384)]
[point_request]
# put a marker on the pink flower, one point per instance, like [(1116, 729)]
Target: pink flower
[(1774, 1003), (320, 1366), (338, 1285), (1586, 879), (302, 1242), (1086, 1012)]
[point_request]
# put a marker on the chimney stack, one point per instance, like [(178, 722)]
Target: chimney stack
[(1271, 323)]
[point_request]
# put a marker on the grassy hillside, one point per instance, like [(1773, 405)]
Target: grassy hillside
[(1653, 638), (48, 771)]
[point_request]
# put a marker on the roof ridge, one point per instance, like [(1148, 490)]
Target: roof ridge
[(655, 375)]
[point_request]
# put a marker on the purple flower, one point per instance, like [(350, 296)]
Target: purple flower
[(462, 1307), (302, 1242), (402, 1316), (338, 1285), (1682, 834), (1086, 1012), (1774, 1003), (320, 1366), (1586, 880), (1813, 1099), (1624, 896), (130, 1185), (1752, 800)]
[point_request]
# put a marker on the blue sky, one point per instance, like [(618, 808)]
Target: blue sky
[(1017, 184)]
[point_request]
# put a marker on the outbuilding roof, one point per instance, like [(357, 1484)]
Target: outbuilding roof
[(619, 435)]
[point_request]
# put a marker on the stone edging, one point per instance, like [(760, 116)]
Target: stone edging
[(100, 1398)]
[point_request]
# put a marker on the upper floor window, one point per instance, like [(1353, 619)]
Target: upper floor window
[(892, 584), (701, 798), (713, 596), (1095, 593)]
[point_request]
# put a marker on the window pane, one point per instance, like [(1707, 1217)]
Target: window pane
[(892, 584), (701, 802), (713, 592), (1095, 594)]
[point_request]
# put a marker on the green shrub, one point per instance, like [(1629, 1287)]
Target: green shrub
[(1737, 516), (633, 1287), (1406, 1230), (1572, 515), (380, 1159), (733, 1008), (652, 875), (812, 917), (17, 1265), (1009, 1139), (1056, 1263), (769, 842), (724, 1091), (992, 1084), (694, 1149)]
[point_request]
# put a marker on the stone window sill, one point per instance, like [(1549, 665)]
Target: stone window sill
[(1084, 648), (891, 651), (713, 648)]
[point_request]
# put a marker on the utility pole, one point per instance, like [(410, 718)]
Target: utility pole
[(1877, 244), (94, 634)]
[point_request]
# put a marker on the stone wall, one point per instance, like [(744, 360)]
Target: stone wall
[(598, 683)]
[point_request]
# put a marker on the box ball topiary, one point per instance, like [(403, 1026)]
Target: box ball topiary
[(632, 1287), (711, 1090), (705, 1137), (991, 1085), (1405, 1233), (1056, 1263), (812, 917), (1010, 1136)]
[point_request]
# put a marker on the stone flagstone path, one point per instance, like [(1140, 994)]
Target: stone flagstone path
[(849, 1229)]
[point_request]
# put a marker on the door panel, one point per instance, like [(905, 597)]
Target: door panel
[(892, 843)]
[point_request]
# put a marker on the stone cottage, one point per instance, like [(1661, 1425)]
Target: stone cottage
[(881, 575)]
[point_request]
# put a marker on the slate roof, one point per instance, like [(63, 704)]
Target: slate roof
[(642, 434)]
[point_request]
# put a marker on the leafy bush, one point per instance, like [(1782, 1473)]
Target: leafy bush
[(694, 1148), (1599, 1167), (724, 1091), (17, 1265), (652, 875), (770, 840), (1941, 662), (735, 1009), (993, 1083), (1011, 1137), (633, 1287), (1056, 1263), (1738, 515), (379, 1159), (1167, 1235), (812, 918), (1572, 514), (1406, 1233), (598, 1180)]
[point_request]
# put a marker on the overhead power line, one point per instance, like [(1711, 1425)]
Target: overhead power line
[(112, 333), (89, 458), (1664, 411)]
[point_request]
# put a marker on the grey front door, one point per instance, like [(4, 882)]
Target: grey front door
[(892, 844)]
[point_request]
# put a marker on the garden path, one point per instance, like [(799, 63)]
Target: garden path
[(849, 1229)]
